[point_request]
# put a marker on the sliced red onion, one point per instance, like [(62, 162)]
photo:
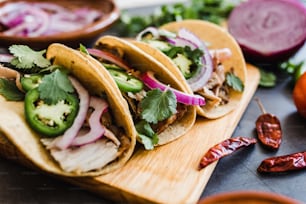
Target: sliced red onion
[(33, 18), (30, 18), (182, 42), (6, 58), (96, 128), (150, 81), (198, 81), (109, 57), (69, 135), (186, 34), (50, 7)]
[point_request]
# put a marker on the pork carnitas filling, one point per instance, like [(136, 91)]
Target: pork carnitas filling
[(92, 156), (216, 91)]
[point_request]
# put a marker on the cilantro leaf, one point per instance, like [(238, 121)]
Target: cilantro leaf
[(158, 105), (233, 81), (83, 49), (55, 87), (146, 134), (267, 79), (9, 90), (26, 58)]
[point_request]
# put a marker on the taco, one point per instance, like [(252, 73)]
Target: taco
[(161, 110), (203, 55), (64, 118)]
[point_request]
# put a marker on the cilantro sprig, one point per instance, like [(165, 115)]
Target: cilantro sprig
[(235, 82), (9, 90), (158, 105), (26, 58), (147, 135), (55, 84), (215, 11), (55, 87), (193, 55)]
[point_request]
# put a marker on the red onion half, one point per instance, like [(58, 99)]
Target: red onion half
[(269, 30)]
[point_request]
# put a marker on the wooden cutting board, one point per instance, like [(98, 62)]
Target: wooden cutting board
[(169, 173)]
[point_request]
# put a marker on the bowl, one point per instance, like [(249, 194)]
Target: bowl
[(250, 197), (86, 34)]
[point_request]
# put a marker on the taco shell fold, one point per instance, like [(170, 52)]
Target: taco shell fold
[(215, 37), (21, 143), (141, 61)]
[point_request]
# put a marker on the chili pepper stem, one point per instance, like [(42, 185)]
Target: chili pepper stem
[(260, 105)]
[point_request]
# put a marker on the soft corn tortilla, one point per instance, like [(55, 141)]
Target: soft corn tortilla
[(139, 60), (15, 129), (215, 37)]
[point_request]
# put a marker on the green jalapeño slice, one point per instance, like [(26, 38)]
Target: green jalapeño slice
[(29, 82), (125, 82), (50, 120)]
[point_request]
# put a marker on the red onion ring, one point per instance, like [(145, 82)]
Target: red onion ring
[(150, 81), (13, 16), (200, 79), (65, 141), (109, 57), (96, 128), (37, 26), (182, 42), (6, 58)]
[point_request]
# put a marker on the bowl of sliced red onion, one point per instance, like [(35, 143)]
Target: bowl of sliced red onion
[(40, 23)]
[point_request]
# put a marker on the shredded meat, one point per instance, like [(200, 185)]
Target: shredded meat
[(162, 125), (86, 158), (216, 91)]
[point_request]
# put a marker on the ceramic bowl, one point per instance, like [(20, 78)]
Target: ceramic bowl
[(249, 197), (87, 34)]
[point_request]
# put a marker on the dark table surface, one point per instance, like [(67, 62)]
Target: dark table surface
[(20, 185)]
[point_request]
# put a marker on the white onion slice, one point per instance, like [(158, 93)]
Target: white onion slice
[(65, 141), (150, 81), (96, 128)]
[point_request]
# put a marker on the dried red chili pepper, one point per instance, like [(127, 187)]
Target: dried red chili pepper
[(268, 129), (225, 148), (284, 163)]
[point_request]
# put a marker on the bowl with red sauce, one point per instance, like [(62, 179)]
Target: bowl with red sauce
[(40, 23)]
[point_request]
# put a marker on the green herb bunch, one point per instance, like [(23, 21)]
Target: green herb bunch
[(215, 11)]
